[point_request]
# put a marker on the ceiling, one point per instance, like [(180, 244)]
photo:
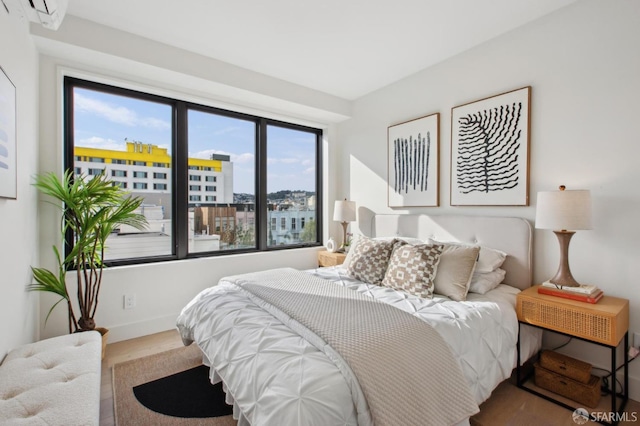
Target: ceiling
[(346, 48)]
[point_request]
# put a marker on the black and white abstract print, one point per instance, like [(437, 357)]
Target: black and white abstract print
[(490, 151), (413, 162)]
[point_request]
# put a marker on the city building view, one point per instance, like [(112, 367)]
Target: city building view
[(218, 218)]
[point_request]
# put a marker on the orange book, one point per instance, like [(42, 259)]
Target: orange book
[(571, 295)]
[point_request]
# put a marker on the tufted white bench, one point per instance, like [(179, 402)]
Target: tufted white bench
[(52, 382)]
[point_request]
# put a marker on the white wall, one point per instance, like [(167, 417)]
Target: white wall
[(583, 64), (18, 218), (163, 289)]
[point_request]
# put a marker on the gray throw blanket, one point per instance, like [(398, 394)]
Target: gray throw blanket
[(403, 366)]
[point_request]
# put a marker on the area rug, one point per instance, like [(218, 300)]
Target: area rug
[(142, 372)]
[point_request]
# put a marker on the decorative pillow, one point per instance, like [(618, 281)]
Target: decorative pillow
[(370, 259), (486, 281), (489, 259), (456, 267), (413, 268), (357, 237)]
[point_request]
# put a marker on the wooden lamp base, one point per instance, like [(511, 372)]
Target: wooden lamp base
[(563, 277)]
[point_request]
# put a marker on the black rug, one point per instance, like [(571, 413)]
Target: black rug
[(185, 394)]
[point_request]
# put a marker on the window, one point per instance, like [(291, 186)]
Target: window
[(77, 170), (270, 172), (292, 180), (302, 223), (122, 185), (213, 134), (93, 172)]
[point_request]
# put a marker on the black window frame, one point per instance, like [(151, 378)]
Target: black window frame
[(180, 170)]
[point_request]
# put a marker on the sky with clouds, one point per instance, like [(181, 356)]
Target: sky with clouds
[(104, 121)]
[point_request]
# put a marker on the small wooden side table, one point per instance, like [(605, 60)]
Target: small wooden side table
[(326, 258), (605, 323)]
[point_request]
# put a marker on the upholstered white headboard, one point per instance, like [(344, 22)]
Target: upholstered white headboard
[(509, 234)]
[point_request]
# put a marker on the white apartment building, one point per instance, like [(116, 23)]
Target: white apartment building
[(145, 171)]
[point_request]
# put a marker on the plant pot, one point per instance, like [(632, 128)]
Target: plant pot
[(104, 332)]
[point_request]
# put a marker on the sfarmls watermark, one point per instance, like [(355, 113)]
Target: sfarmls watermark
[(582, 416)]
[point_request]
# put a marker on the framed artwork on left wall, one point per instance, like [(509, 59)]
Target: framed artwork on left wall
[(8, 172), (413, 162)]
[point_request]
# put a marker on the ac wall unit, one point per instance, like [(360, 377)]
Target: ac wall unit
[(48, 13)]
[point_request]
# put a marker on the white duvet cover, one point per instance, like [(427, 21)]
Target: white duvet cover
[(273, 376)]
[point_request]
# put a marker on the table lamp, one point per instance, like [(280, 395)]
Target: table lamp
[(564, 212), (344, 212)]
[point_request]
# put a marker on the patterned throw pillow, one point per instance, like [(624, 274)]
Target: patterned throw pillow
[(413, 269), (370, 259)]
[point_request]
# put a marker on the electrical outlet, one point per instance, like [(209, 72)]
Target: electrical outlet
[(129, 301), (636, 340)]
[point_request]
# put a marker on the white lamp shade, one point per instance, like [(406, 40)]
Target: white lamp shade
[(564, 210), (344, 211)]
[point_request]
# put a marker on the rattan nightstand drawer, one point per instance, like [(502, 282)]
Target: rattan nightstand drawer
[(605, 322)]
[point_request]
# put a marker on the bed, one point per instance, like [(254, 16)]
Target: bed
[(277, 371)]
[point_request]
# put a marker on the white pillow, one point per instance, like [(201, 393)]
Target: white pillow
[(487, 281), (455, 269), (489, 259)]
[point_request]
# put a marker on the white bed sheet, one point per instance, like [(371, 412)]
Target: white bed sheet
[(274, 376)]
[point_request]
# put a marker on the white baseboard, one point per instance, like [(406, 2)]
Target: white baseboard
[(143, 328)]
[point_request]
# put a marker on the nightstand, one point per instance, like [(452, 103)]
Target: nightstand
[(326, 258), (605, 323)]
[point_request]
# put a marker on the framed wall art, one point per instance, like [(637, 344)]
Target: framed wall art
[(413, 162), (8, 172), (490, 151)]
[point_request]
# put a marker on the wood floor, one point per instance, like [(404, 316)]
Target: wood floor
[(508, 405)]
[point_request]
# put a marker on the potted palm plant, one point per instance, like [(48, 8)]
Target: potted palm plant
[(92, 209)]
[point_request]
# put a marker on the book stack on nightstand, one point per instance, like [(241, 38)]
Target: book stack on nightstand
[(582, 293)]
